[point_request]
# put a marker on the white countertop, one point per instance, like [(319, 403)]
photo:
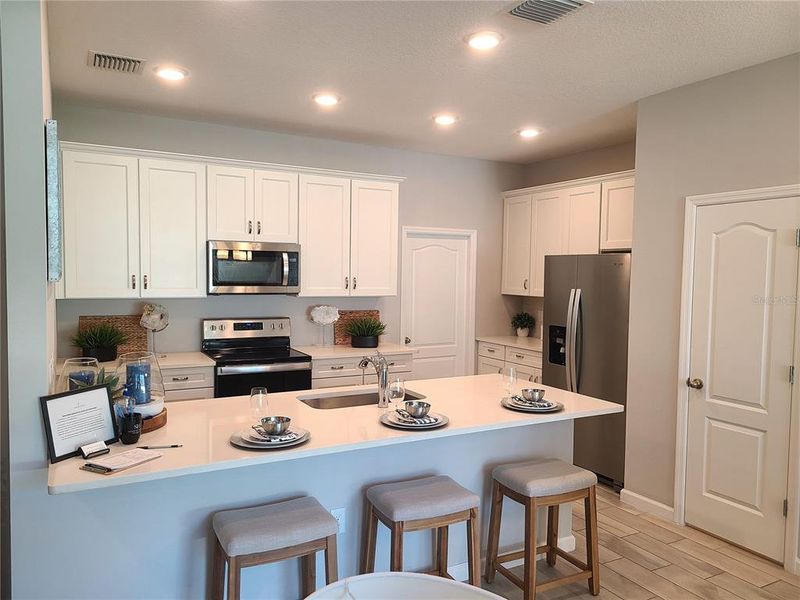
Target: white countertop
[(320, 352), (204, 428), (170, 360), (523, 343)]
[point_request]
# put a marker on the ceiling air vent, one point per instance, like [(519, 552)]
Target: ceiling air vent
[(547, 11), (115, 62)]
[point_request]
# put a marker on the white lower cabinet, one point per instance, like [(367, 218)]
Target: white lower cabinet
[(331, 372), (489, 366), (189, 383), (494, 358)]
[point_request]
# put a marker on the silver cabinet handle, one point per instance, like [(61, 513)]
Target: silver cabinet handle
[(249, 227), (525, 285), (185, 378), (133, 282), (536, 379), (145, 281), (337, 367), (519, 356), (258, 227), (355, 283), (347, 283), (491, 350), (695, 383), (408, 340), (500, 370), (531, 378)]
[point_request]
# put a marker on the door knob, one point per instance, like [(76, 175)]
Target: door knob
[(695, 383), (408, 340)]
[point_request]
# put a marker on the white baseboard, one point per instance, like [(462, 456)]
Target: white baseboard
[(460, 572), (647, 505), (796, 566)]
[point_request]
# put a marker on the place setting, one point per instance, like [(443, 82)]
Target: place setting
[(530, 400), (410, 414), (271, 432)]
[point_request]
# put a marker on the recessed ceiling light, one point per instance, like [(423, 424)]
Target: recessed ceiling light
[(528, 133), (484, 40), (326, 99), (445, 120), (172, 73)]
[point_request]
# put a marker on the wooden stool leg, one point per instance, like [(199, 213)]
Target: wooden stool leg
[(370, 539), (397, 547), (218, 572), (474, 548), (234, 571), (331, 560), (592, 553), (529, 591), (552, 534), (494, 531), (308, 573), (443, 537)]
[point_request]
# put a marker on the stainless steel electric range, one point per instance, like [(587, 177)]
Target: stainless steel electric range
[(254, 353)]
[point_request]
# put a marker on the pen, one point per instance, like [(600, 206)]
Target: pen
[(160, 447)]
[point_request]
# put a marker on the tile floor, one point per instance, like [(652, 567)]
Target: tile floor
[(643, 557)]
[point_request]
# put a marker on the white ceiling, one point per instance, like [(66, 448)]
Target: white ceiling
[(397, 63)]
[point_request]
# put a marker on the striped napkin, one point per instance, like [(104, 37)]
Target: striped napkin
[(286, 437), (427, 420)]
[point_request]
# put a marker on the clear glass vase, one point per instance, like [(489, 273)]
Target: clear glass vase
[(77, 373), (140, 375)]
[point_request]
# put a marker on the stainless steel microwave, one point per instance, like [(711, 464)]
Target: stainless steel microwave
[(253, 268)]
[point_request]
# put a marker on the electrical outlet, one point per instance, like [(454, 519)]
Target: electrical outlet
[(338, 514)]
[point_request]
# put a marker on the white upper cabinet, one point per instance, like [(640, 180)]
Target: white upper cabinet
[(593, 215), (230, 203), (373, 238), (583, 219), (324, 236), (616, 224), (101, 225), (276, 206), (517, 230), (172, 208), (549, 233)]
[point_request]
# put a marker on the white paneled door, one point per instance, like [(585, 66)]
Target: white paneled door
[(101, 225), (583, 219), (549, 233), (324, 236), (438, 300), (230, 203), (741, 351), (517, 230), (373, 249), (275, 198), (172, 224)]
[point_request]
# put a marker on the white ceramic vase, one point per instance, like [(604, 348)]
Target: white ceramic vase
[(523, 332)]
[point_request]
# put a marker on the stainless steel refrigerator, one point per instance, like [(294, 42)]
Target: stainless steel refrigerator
[(585, 349)]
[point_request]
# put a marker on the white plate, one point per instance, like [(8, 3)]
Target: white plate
[(241, 442), (252, 436), (511, 405), (390, 420)]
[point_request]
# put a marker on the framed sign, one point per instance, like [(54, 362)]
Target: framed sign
[(73, 419)]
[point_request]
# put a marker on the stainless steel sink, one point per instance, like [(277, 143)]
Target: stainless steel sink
[(326, 402)]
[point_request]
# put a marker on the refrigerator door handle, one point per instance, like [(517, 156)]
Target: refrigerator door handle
[(573, 342), (568, 341)]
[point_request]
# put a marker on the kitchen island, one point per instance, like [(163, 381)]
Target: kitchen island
[(160, 511)]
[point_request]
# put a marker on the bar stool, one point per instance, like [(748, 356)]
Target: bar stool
[(429, 503), (538, 484), (270, 533)]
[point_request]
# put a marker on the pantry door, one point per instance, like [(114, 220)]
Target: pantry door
[(743, 310), (438, 300)]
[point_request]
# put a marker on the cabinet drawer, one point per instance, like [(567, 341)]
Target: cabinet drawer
[(398, 363), (186, 379), (330, 382), (523, 357), (490, 350), (328, 367), (372, 379), (195, 394)]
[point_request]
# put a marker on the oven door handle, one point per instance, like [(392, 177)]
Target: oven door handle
[(271, 368)]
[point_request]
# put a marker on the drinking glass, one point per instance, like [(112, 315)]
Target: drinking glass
[(509, 380), (259, 405), (396, 393)]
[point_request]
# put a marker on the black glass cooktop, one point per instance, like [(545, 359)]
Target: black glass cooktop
[(238, 356)]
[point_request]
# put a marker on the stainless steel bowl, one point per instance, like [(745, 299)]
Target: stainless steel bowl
[(417, 408), (275, 425), (533, 394)]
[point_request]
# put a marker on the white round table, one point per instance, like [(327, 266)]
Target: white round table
[(400, 586)]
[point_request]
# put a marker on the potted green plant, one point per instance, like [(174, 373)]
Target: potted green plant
[(523, 322), (100, 341), (364, 332)]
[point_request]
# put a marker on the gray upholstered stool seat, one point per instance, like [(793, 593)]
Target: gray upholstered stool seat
[(273, 526), (424, 498), (543, 477)]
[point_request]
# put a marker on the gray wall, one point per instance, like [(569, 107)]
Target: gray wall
[(439, 191), (610, 159), (737, 131)]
